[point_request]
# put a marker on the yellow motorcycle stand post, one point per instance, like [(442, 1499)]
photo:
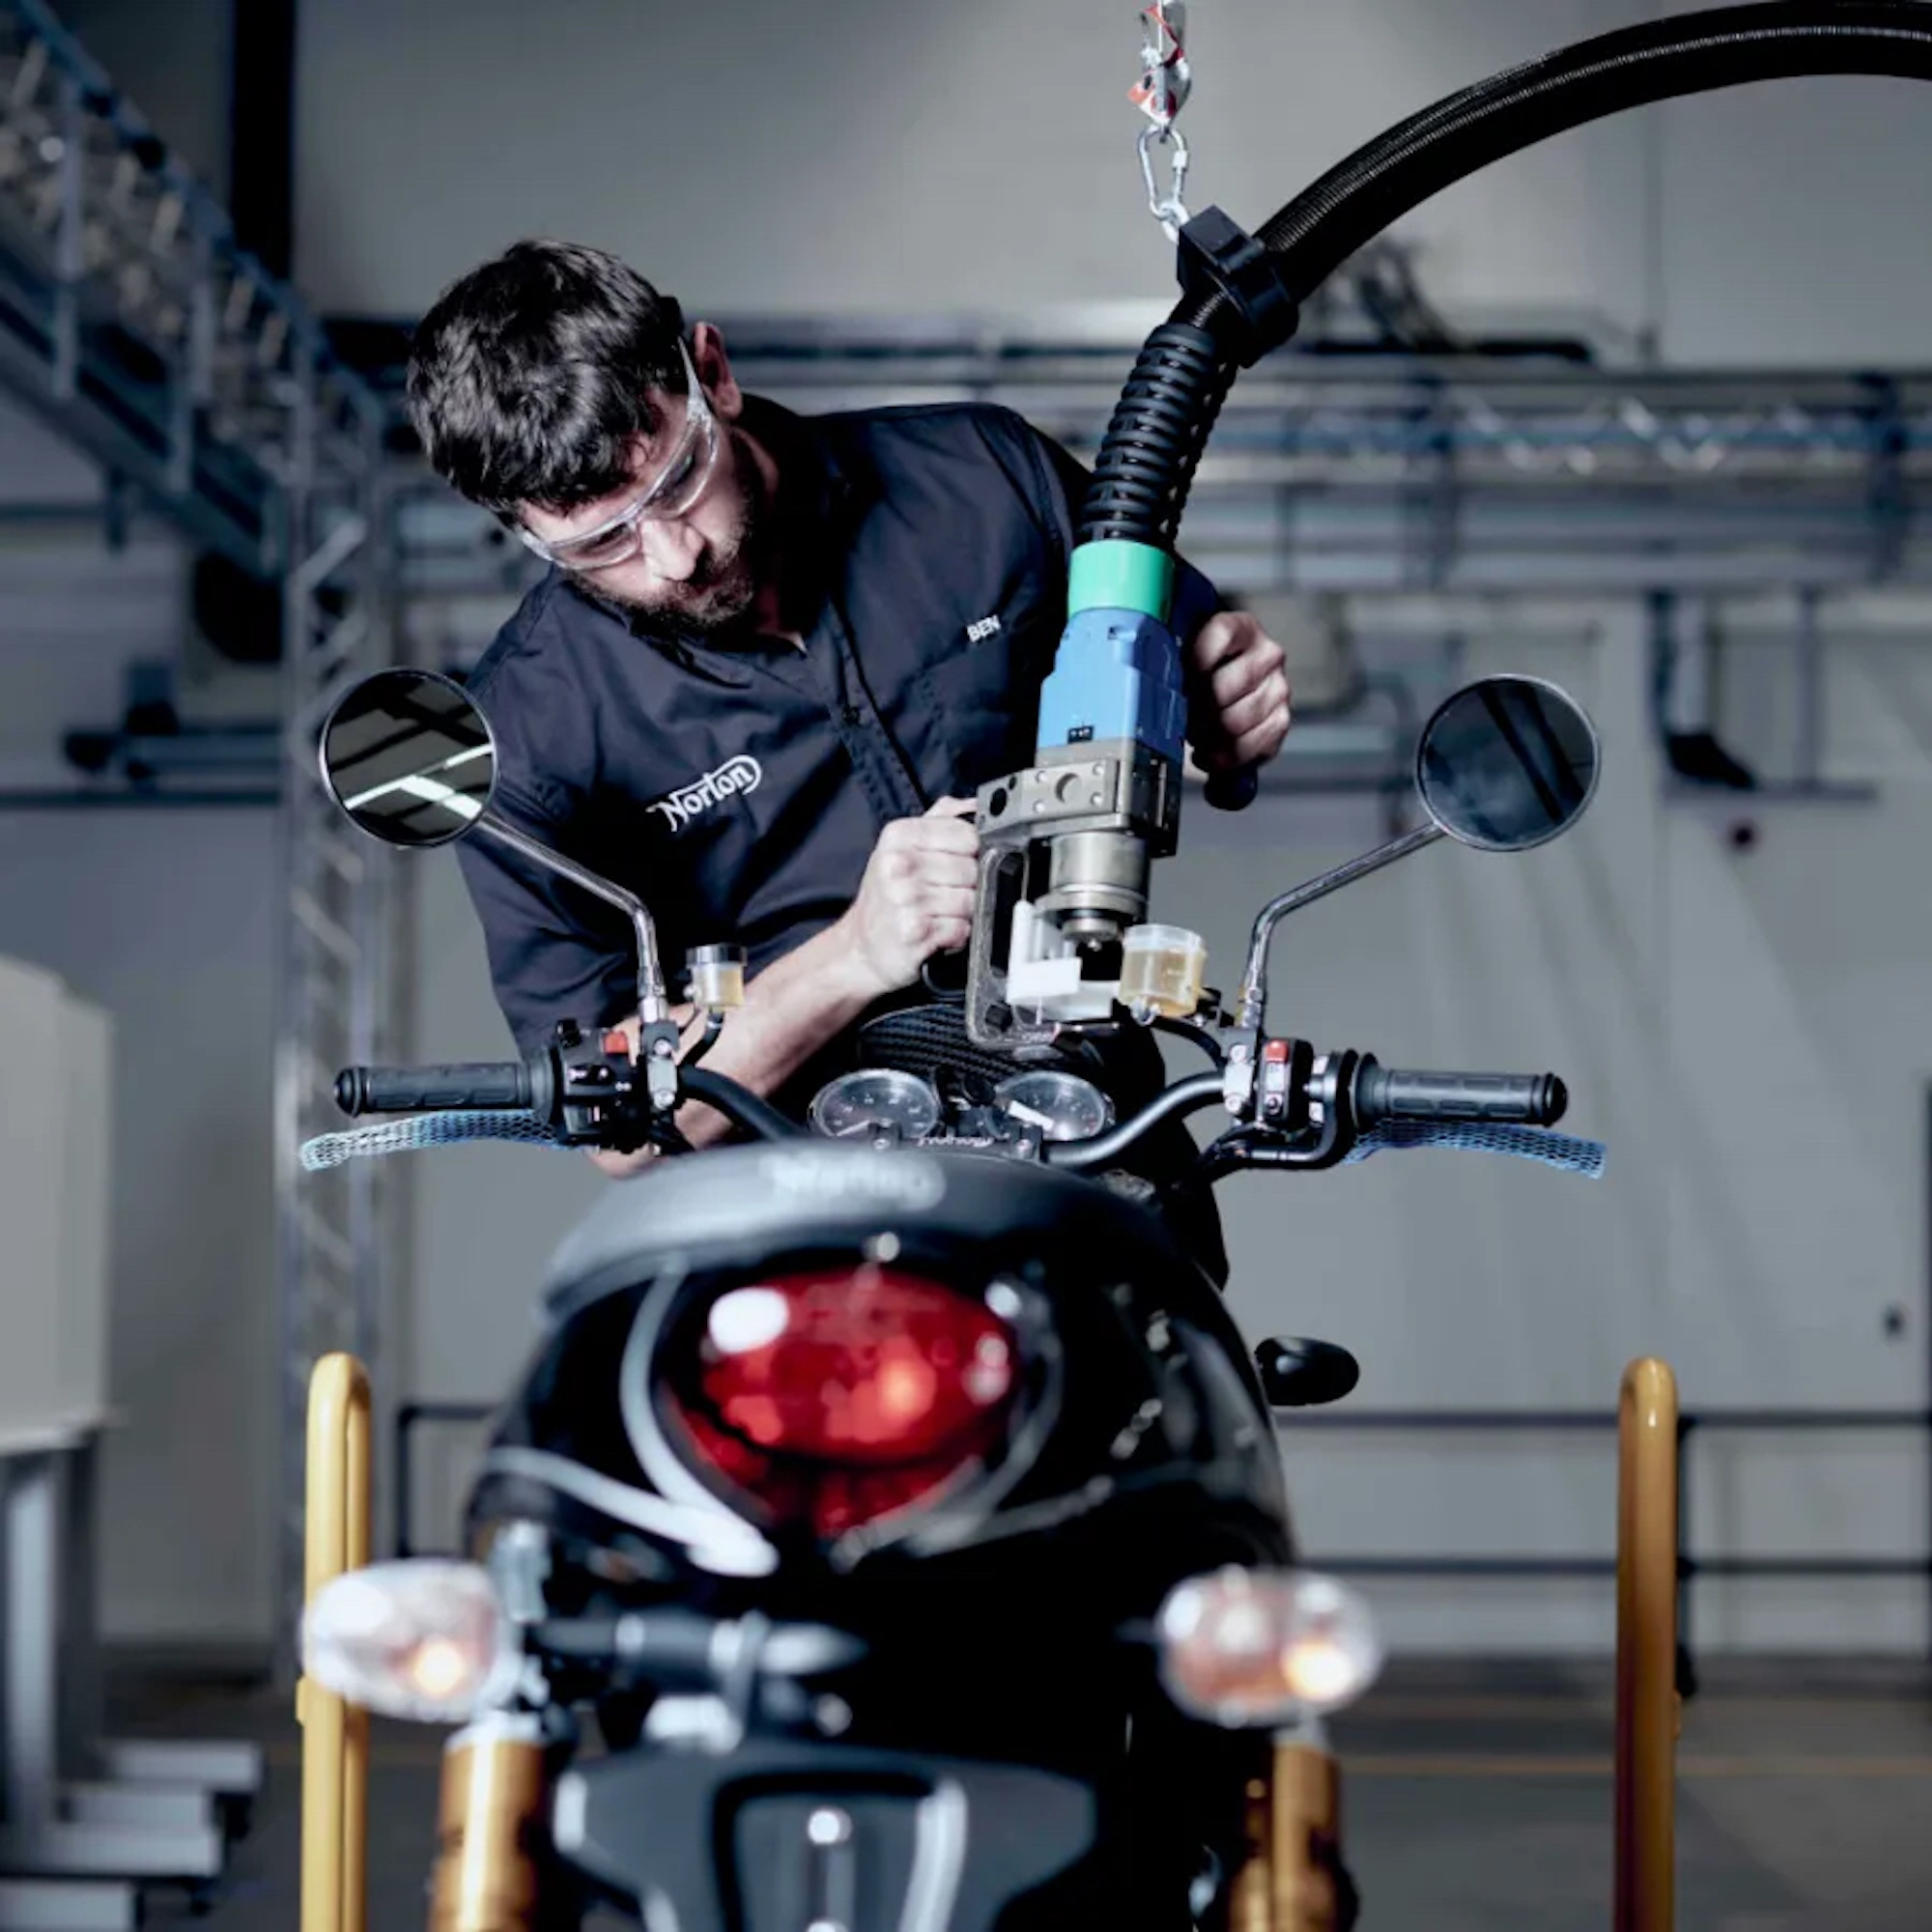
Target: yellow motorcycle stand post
[(335, 1735), (1649, 1711), (486, 1877)]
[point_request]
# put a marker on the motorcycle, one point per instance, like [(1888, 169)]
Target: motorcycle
[(888, 1530)]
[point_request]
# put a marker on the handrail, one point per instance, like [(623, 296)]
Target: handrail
[(335, 1734), (1648, 1710)]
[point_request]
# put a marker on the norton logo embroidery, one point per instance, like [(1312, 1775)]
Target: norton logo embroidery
[(734, 775), (979, 632)]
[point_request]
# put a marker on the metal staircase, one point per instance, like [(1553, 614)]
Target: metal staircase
[(131, 320)]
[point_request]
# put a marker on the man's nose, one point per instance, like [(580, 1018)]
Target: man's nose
[(671, 549)]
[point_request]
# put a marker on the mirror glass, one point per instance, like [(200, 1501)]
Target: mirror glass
[(409, 756), (1507, 763)]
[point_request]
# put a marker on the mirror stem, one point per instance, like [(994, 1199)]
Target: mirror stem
[(653, 1004), (1253, 981)]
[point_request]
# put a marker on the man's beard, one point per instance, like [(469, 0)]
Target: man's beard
[(725, 585)]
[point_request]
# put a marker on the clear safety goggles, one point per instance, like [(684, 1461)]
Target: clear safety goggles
[(679, 485)]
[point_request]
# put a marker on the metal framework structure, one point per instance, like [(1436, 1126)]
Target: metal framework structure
[(1397, 473), (131, 320)]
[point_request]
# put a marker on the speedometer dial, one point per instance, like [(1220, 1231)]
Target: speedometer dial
[(1057, 1106), (879, 1101)]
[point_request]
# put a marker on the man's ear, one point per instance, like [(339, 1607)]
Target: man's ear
[(714, 371)]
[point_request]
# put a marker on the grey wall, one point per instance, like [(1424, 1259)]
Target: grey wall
[(757, 156), (166, 918), (1749, 1034)]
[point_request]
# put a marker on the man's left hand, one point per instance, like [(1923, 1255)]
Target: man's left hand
[(1239, 695)]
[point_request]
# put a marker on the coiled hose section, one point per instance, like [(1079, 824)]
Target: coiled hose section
[(1154, 441), (1147, 462)]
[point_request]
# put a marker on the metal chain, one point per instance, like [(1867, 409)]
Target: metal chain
[(1165, 83)]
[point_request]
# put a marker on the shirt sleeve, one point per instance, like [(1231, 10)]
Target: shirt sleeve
[(555, 951)]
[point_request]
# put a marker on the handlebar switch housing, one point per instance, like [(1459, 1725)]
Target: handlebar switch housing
[(591, 1083), (1282, 1097)]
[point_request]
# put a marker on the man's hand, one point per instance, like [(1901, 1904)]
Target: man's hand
[(917, 897), (1238, 695)]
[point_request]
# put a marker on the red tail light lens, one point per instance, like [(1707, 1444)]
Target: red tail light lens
[(836, 1397)]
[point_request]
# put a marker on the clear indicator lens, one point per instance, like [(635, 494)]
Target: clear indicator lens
[(421, 1639), (1257, 1647)]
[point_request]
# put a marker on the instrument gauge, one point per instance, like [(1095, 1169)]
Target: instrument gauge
[(875, 1101), (1058, 1106)]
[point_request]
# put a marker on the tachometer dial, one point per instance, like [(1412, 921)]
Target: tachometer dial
[(1058, 1106), (874, 1101)]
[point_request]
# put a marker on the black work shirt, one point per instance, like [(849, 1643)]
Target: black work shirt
[(738, 786)]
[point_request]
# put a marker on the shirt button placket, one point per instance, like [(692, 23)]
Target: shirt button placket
[(874, 752)]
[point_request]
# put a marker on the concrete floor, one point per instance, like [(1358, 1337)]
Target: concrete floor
[(1478, 1800)]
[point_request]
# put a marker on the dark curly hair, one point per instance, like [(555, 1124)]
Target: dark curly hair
[(531, 376)]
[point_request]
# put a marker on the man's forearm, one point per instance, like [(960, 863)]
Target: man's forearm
[(791, 1010)]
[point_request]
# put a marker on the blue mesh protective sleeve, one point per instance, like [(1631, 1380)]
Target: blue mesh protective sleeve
[(1558, 1150), (422, 1130)]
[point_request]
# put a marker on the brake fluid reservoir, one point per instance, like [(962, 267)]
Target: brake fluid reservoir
[(1163, 971), (717, 977)]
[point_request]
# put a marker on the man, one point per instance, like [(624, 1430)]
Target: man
[(774, 659)]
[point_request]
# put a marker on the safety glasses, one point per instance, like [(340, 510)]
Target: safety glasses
[(679, 485)]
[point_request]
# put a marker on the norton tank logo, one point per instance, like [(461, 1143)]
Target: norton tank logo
[(832, 1181), (734, 775)]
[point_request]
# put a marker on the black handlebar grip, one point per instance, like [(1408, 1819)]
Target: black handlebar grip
[(475, 1085), (1396, 1094), (1233, 791)]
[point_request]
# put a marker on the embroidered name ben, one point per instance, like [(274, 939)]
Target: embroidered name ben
[(735, 775), (983, 628)]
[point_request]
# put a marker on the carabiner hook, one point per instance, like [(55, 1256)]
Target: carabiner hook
[(1169, 210)]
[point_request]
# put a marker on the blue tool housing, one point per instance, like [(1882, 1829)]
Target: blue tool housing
[(1117, 675)]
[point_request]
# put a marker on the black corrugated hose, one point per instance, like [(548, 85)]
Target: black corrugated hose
[(1146, 462)]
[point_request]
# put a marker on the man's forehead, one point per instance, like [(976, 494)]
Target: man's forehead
[(647, 453)]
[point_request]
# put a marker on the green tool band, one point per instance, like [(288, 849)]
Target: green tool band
[(1120, 575)]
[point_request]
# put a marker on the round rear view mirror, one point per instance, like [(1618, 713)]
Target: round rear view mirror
[(1507, 763), (410, 757)]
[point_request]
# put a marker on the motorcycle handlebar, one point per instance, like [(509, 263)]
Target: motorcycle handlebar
[(492, 1086), (1380, 1094), (1185, 1097), (1401, 1093), (739, 1105), (464, 1086)]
